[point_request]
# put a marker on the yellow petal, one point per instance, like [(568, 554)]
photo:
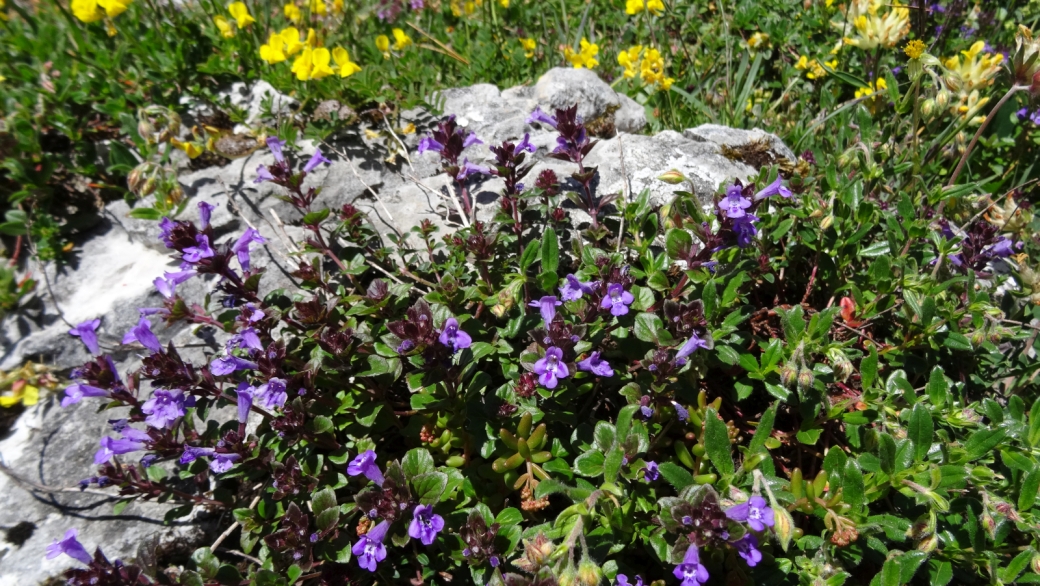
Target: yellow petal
[(383, 43), (87, 10), (320, 63), (30, 396), (241, 14), (9, 400)]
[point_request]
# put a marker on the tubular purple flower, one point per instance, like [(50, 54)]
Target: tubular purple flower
[(756, 511), (245, 394), (142, 333), (167, 284), (276, 146), (650, 472), (262, 174), (745, 230), (166, 226), (246, 338), (370, 550), (229, 364), (365, 463), (471, 140), (86, 334), (163, 408), (774, 188), (113, 447), (617, 299), (74, 393), (1002, 248), (689, 347), (253, 313), (524, 145), (244, 243), (547, 305), (540, 117), (572, 289), (622, 580), (734, 203), (471, 169), (596, 365), (221, 462), (316, 159), (425, 524), (427, 143), (205, 209), (69, 546), (691, 571), (747, 547), (452, 336), (271, 394), (201, 250), (550, 368), (192, 453)]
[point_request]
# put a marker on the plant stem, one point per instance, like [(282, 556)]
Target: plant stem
[(982, 127)]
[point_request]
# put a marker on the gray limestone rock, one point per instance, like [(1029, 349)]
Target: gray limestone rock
[(562, 88), (734, 137)]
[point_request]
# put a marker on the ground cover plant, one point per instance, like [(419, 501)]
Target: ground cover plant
[(825, 376)]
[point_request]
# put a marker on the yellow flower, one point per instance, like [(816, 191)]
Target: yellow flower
[(630, 60), (529, 46), (346, 66), (758, 40), (651, 69), (976, 70), (914, 49), (241, 14), (585, 58), (456, 8), (812, 68), (21, 392), (873, 29), (3, 15), (224, 27), (337, 6), (401, 40), (274, 51), (87, 10), (408, 129), (469, 7), (193, 150), (292, 12), (312, 64), (504, 3), (383, 43), (317, 6), (871, 88), (655, 7), (2, 79), (312, 39), (291, 39), (114, 8)]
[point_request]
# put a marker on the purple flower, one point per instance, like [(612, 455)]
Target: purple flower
[(550, 368), (524, 145), (74, 393), (405, 346), (69, 546), (547, 305), (471, 169), (540, 117), (471, 140), (734, 203), (133, 440), (690, 571), (681, 411), (1002, 248), (166, 226), (596, 365), (242, 245), (747, 547), (416, 4), (167, 284), (192, 453), (262, 174), (253, 313), (142, 333), (572, 289), (201, 250), (755, 511), (229, 364), (617, 299), (774, 188), (622, 580), (163, 408), (427, 143), (365, 463), (1022, 114), (316, 159), (745, 229), (451, 336), (205, 209), (646, 411), (86, 334), (425, 524), (222, 462), (246, 338), (276, 146), (370, 549), (245, 400), (271, 394), (1035, 117), (689, 347), (650, 472)]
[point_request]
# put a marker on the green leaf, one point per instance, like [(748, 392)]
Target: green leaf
[(624, 422), (1034, 424), (1029, 489), (938, 389), (920, 430), (604, 435), (509, 516), (852, 485), (940, 573), (887, 452), (1016, 566), (709, 297), (589, 464), (206, 563), (145, 214), (322, 500), (716, 443), (676, 475), (646, 326), (529, 256), (982, 442), (765, 427), (890, 573), (957, 341), (612, 464), (678, 243), (430, 486), (550, 251), (868, 368), (416, 462), (317, 217)]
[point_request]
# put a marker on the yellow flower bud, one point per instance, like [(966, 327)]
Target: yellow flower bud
[(672, 177)]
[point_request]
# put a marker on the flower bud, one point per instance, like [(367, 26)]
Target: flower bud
[(928, 108), (805, 379), (826, 223), (929, 544), (1025, 65), (1035, 563), (143, 179), (783, 526), (841, 363), (942, 99), (589, 574), (788, 375), (672, 177)]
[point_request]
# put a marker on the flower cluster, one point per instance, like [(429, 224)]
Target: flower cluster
[(648, 64), (583, 58), (313, 62)]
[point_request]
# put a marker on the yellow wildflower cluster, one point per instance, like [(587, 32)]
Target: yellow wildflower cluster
[(23, 385), (871, 88), (758, 41), (401, 42), (650, 66), (467, 7), (966, 74), (529, 46), (292, 12), (313, 61), (654, 7), (95, 10), (812, 67), (915, 48), (872, 28), (586, 57)]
